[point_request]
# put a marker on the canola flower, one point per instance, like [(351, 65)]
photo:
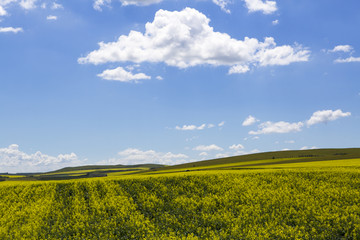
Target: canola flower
[(282, 204)]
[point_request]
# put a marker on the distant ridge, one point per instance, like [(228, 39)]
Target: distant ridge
[(97, 167), (293, 155)]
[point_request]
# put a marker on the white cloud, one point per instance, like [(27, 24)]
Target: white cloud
[(133, 156), (290, 141), (221, 124), (120, 74), (98, 4), (250, 120), (237, 153), (10, 30), (222, 155), (5, 3), (348, 60), (185, 39), (238, 69), (253, 138), (236, 147), (159, 78), (25, 4), (51, 17), (325, 116), (275, 22), (254, 151), (203, 154), (341, 48), (346, 49), (266, 7), (286, 127), (282, 55), (207, 148), (14, 160), (305, 148), (28, 4), (277, 127), (194, 127), (222, 4), (55, 6), (2, 11), (190, 127)]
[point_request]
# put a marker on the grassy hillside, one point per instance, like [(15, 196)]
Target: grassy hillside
[(80, 172), (271, 158), (106, 167)]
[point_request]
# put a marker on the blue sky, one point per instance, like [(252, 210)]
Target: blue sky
[(138, 81)]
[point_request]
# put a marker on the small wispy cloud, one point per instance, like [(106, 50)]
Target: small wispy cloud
[(236, 147), (277, 127), (2, 11), (275, 22), (120, 74), (347, 60), (223, 5), (55, 6), (341, 48), (27, 4), (10, 30), (206, 148), (250, 120), (51, 17), (193, 127), (266, 7)]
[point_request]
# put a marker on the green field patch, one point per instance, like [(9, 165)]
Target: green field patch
[(12, 176), (267, 163), (94, 170), (124, 173), (316, 164), (295, 155)]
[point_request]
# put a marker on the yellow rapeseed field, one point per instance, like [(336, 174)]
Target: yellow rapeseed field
[(301, 203)]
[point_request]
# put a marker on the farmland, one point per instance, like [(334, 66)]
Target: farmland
[(278, 197)]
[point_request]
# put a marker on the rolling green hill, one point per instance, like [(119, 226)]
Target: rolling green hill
[(104, 167), (271, 158), (79, 172)]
